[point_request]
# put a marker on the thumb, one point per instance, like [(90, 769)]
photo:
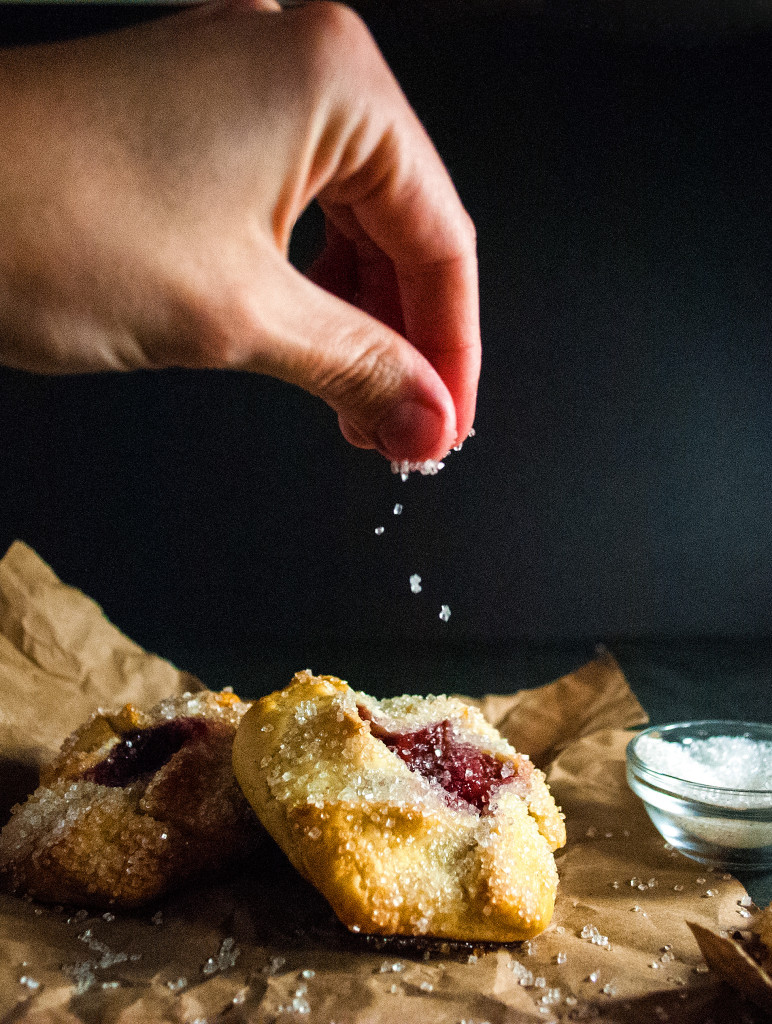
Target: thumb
[(387, 395)]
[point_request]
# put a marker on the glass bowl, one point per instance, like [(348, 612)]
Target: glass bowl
[(721, 820)]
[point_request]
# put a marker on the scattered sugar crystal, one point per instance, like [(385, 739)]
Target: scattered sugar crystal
[(571, 1000), (178, 985), (107, 958), (539, 982), (609, 989), (700, 880), (593, 977), (709, 892), (226, 957), (636, 909), (397, 966), (274, 965), (308, 973), (591, 932), (398, 509), (445, 613), (561, 958), (111, 984), (379, 530), (743, 912), (415, 583), (523, 975), (745, 901), (551, 997), (678, 888), (426, 986), (654, 965), (701, 969), (107, 916), (29, 982), (82, 975), (158, 918)]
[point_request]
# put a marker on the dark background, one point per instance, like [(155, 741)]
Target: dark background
[(617, 164)]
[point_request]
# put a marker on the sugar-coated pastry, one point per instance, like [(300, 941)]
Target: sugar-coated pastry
[(412, 815), (135, 804)]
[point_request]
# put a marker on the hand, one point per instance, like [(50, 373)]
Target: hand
[(149, 183)]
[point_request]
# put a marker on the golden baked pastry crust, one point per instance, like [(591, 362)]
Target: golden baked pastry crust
[(390, 850), (78, 840)]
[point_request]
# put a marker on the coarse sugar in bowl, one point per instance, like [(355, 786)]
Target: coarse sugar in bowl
[(707, 787)]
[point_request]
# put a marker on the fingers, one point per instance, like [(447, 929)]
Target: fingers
[(387, 395), (391, 187), (361, 274)]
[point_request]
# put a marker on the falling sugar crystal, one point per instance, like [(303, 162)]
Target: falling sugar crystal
[(445, 613), (378, 531), (398, 509), (415, 583)]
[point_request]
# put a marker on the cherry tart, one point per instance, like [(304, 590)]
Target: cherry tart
[(134, 805), (412, 816)]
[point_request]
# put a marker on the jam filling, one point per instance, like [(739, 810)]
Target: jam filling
[(146, 751), (465, 772)]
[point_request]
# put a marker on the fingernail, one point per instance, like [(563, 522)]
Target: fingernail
[(412, 430)]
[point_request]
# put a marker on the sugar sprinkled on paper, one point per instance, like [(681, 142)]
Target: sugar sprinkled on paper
[(227, 956)]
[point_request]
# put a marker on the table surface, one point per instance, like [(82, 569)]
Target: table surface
[(675, 680)]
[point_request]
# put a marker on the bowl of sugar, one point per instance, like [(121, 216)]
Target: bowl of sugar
[(707, 787)]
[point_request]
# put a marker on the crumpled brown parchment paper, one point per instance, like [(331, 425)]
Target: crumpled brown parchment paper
[(262, 946)]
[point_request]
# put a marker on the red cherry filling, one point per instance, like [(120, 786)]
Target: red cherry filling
[(146, 751), (465, 772)]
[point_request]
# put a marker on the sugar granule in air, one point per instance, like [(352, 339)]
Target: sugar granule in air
[(415, 583), (378, 531), (445, 613)]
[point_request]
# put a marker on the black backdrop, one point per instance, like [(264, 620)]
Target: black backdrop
[(620, 480)]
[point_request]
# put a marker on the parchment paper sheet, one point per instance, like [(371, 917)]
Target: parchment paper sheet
[(263, 946)]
